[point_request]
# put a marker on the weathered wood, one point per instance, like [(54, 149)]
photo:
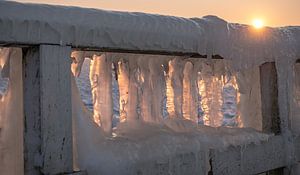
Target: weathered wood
[(32, 111), (269, 98), (56, 109), (47, 107), (249, 159)]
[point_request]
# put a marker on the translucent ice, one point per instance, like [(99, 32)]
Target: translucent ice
[(11, 115), (100, 76)]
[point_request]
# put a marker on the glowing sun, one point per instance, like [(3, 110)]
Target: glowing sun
[(258, 23)]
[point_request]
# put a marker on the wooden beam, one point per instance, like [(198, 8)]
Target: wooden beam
[(32, 111), (269, 98), (119, 50), (47, 108)]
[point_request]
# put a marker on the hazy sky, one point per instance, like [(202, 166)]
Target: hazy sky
[(273, 12)]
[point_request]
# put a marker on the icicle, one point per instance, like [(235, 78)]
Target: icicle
[(77, 61), (157, 85), (115, 93), (4, 70), (152, 88), (195, 91), (190, 98), (133, 91), (217, 88), (11, 115), (123, 81), (170, 93), (144, 81), (249, 105), (210, 88), (230, 96), (4, 74), (203, 84), (100, 76), (128, 80), (174, 88)]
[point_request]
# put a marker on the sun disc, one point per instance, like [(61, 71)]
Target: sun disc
[(258, 23)]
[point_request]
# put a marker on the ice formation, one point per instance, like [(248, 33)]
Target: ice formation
[(174, 87), (190, 93), (210, 89), (231, 99), (152, 83), (138, 144), (145, 74), (123, 82), (11, 113), (250, 98), (140, 84), (101, 78)]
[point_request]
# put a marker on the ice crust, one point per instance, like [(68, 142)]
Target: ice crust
[(98, 28)]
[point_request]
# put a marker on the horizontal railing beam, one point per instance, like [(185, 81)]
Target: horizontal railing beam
[(118, 50), (249, 159)]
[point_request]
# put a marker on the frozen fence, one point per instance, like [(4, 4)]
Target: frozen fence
[(56, 134)]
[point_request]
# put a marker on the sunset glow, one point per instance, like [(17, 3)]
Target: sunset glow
[(258, 23)]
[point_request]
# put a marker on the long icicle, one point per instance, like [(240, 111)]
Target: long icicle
[(133, 91), (174, 88), (144, 82), (190, 92), (157, 85), (187, 91), (123, 81), (152, 80), (100, 75), (210, 88)]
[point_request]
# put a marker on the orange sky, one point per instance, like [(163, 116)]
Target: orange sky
[(273, 12)]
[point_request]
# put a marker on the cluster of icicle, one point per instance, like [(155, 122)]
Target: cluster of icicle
[(200, 90)]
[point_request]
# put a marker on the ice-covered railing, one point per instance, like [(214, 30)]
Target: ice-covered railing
[(262, 62), (101, 30)]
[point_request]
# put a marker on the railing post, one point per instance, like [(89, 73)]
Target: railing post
[(47, 110), (270, 107), (269, 98)]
